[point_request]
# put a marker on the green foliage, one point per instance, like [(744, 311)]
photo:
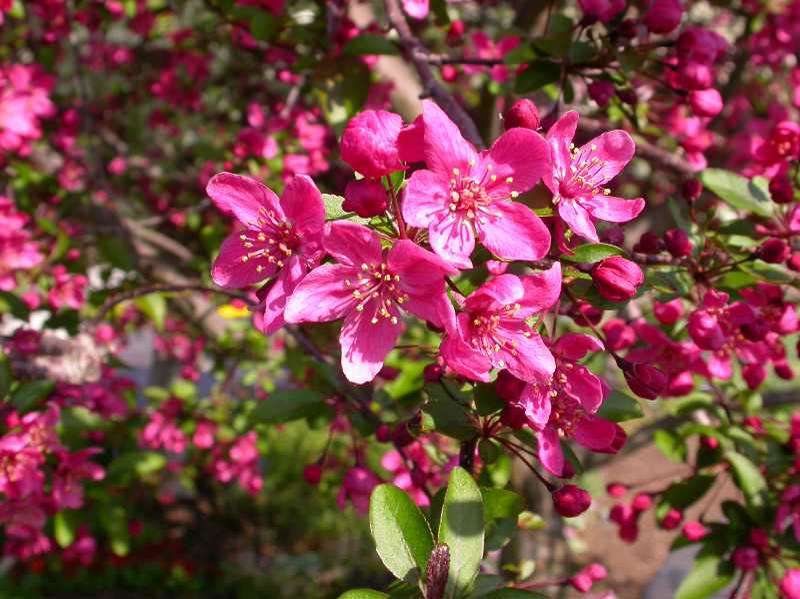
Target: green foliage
[(593, 252), (750, 195), (619, 407), (286, 405)]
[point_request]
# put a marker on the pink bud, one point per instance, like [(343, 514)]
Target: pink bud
[(774, 250), (705, 102), (663, 16), (598, 572), (672, 519), (616, 489), (617, 279), (649, 243), (601, 10), (677, 243), (745, 558), (366, 198), (694, 531), (691, 190), (601, 91), (669, 312), (571, 501), (781, 190), (523, 113), (369, 143), (455, 34), (449, 72), (584, 312), (644, 380), (432, 373), (619, 334), (790, 584), (312, 474), (642, 502), (794, 262), (383, 433), (582, 582)]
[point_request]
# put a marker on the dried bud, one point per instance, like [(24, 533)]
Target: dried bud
[(774, 250), (523, 113), (437, 571), (617, 279), (365, 197), (677, 243), (571, 501)]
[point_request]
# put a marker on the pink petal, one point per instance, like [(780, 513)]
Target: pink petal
[(445, 148), (522, 155), (275, 301), (585, 387), (453, 239), (411, 141), (535, 402), (614, 149), (613, 209), (434, 308), (230, 271), (425, 199), (302, 204), (542, 290), (517, 234), (351, 243), (243, 196), (416, 9), (497, 292), (549, 451), (417, 266), (595, 433), (322, 295), (578, 219), (461, 357), (574, 346), (559, 137), (365, 345), (531, 361)]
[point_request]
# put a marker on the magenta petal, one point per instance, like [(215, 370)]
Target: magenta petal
[(302, 204), (275, 301), (416, 9), (531, 361), (435, 308), (559, 137), (574, 346), (517, 234), (411, 141), (535, 402), (425, 199), (522, 155), (614, 149), (229, 270), (497, 292), (242, 196), (322, 295), (542, 290), (613, 209), (445, 148), (549, 451), (453, 239), (351, 243), (578, 219), (595, 433), (585, 387), (365, 345), (461, 357)]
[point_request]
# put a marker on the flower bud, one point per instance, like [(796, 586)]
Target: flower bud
[(790, 584), (583, 313), (436, 573), (745, 558), (616, 489), (582, 582), (619, 334), (694, 531), (383, 434), (774, 250), (642, 502), (691, 190), (523, 113), (601, 91), (677, 243), (672, 519), (449, 72), (669, 312), (601, 10), (644, 380), (571, 501), (617, 279), (365, 197), (312, 474), (508, 387), (649, 243), (628, 96), (432, 373), (455, 34), (369, 143), (781, 190), (663, 16), (705, 102)]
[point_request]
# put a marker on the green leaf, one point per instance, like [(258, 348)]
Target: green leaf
[(447, 407), (263, 25), (461, 529), (13, 304), (286, 405), (362, 594), (5, 376), (115, 522), (538, 74), (683, 494), (708, 575), (593, 252), (486, 399), (403, 539), (29, 394), (671, 444), (620, 407), (118, 251), (748, 478), (500, 511), (154, 306), (64, 525), (509, 593), (750, 195), (334, 210), (369, 44), (141, 463)]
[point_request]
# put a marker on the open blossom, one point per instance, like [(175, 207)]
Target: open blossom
[(579, 174), (24, 99), (482, 46), (279, 238), (464, 194), (371, 288), (788, 515), (357, 487), (566, 403), (369, 143), (493, 330)]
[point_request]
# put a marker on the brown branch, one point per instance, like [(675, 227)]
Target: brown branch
[(440, 59), (418, 54)]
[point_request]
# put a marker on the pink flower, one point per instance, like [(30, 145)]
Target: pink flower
[(663, 16), (371, 288), (416, 9), (493, 331), (484, 47), (789, 511), (203, 437), (790, 584), (72, 468), (577, 177), (617, 279), (601, 10), (357, 487), (280, 238), (369, 143), (465, 194)]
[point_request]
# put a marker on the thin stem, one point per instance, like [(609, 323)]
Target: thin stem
[(401, 224)]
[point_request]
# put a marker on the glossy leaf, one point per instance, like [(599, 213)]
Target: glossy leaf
[(461, 529), (707, 576), (288, 404), (740, 192), (593, 252)]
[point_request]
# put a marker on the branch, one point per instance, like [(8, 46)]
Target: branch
[(440, 59), (418, 55)]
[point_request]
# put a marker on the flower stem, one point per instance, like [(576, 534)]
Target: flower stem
[(401, 224)]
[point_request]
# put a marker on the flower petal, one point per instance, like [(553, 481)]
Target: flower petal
[(549, 451), (425, 199), (578, 219), (229, 270), (445, 147), (302, 204), (613, 209), (365, 345), (542, 290), (521, 155), (453, 239), (531, 360), (417, 266), (243, 196), (282, 287), (535, 401), (559, 137), (351, 243), (517, 234), (613, 149), (585, 387), (322, 295), (595, 433), (461, 357), (574, 346), (497, 292)]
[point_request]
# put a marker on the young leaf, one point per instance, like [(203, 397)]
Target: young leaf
[(28, 395), (403, 539), (670, 444), (64, 524), (750, 195), (593, 252), (287, 405), (461, 529), (362, 594), (620, 407), (707, 576), (748, 479)]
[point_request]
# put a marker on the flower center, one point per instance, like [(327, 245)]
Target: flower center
[(487, 336), (469, 197), (378, 290), (584, 175), (565, 411), (274, 242)]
